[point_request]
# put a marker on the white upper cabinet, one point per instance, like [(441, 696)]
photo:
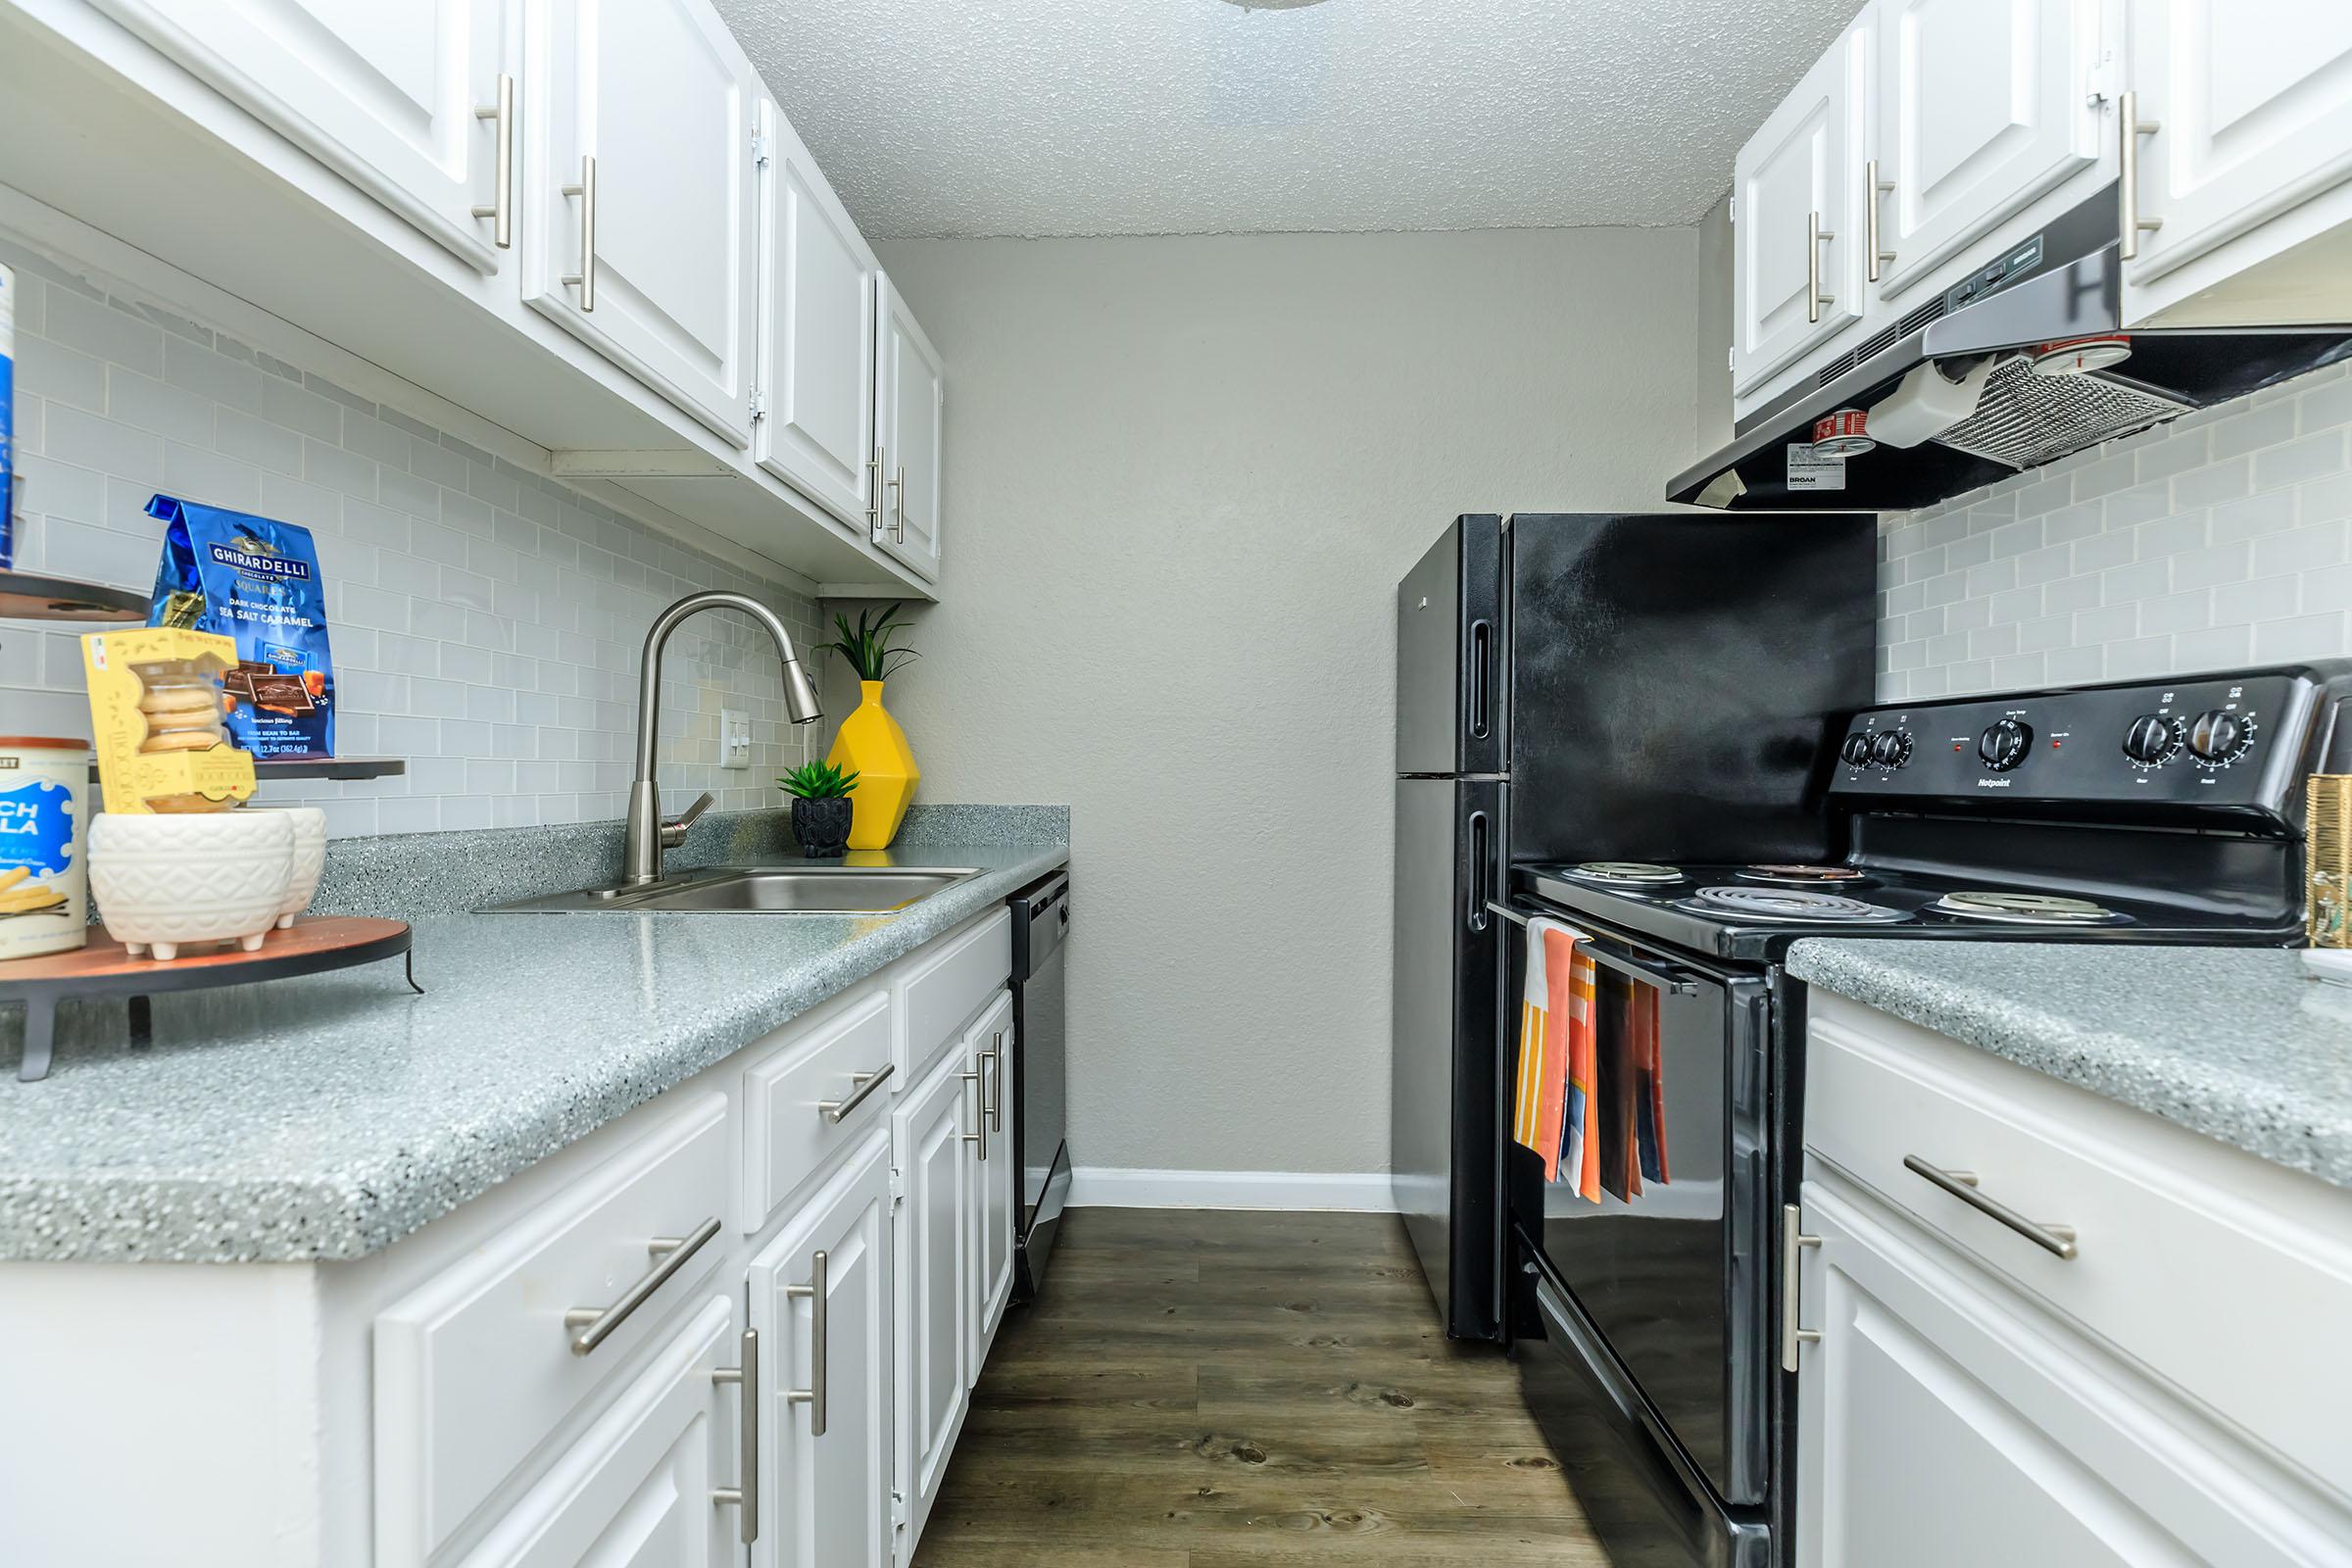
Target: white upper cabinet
[(1983, 105), (1797, 277), (909, 394), (816, 351), (642, 206), (820, 1296), (382, 91), (2245, 116)]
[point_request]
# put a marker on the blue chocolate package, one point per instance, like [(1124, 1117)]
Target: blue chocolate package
[(256, 583)]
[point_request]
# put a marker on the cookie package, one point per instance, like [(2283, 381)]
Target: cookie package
[(157, 706), (256, 582)]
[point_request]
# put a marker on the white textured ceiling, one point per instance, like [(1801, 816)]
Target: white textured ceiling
[(1159, 116)]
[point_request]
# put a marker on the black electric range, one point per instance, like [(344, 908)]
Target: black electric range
[(2142, 811)]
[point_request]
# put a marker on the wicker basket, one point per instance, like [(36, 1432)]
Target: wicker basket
[(2328, 899)]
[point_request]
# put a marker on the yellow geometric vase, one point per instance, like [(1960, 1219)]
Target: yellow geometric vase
[(871, 745)]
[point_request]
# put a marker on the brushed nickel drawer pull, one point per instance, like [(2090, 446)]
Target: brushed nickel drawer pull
[(813, 1395), (2128, 175), (978, 1075), (2056, 1240), (596, 1323), (862, 1084), (995, 1111), (747, 1379)]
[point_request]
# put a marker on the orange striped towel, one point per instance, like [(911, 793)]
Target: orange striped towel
[(1553, 1016)]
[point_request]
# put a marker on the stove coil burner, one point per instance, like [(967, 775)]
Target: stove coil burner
[(1636, 873), (1791, 904), (2026, 908), (1803, 877)]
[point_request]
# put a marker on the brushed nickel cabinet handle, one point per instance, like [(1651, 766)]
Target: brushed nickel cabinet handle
[(995, 1055), (1793, 1242), (585, 277), (898, 507), (747, 1379), (813, 1395), (873, 490), (2056, 1240), (501, 211), (979, 1075), (861, 1085), (669, 1253), (1815, 299), (1873, 189), (2128, 173)]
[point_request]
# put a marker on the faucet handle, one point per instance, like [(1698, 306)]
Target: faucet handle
[(673, 834)]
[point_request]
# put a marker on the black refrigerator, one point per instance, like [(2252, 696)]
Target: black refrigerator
[(1587, 687)]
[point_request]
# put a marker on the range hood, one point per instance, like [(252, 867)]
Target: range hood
[(1974, 366)]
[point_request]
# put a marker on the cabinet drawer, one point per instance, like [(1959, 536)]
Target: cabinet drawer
[(476, 1368), (2215, 1270), (936, 997), (797, 1100)]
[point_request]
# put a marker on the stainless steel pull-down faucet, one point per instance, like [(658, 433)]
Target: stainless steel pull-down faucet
[(647, 834)]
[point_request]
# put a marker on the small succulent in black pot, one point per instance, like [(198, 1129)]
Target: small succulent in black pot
[(820, 807)]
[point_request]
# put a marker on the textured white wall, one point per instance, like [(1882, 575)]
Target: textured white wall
[(2219, 540), (1183, 478)]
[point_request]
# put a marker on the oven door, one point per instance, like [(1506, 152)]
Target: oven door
[(1669, 1266)]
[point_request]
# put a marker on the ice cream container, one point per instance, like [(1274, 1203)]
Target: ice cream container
[(44, 884)]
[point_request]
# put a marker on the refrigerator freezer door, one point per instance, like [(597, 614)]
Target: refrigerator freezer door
[(1444, 1095), (1449, 654), (1671, 678)]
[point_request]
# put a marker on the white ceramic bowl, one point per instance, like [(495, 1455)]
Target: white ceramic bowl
[(165, 881), (309, 859)]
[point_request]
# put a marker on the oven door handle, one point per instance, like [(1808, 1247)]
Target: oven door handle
[(1674, 981)]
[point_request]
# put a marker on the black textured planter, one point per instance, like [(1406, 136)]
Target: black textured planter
[(822, 826)]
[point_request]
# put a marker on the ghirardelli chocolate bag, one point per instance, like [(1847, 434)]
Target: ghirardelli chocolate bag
[(255, 581)]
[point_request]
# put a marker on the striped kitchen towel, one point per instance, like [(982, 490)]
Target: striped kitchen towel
[(1552, 1104)]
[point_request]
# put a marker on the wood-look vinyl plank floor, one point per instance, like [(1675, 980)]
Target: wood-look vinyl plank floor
[(1237, 1389)]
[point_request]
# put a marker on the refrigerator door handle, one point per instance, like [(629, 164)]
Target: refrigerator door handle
[(1482, 657), (1480, 852)]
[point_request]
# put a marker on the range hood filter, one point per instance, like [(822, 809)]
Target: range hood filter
[(2026, 418)]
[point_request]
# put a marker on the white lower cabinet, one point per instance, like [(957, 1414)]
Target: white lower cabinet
[(988, 1047), (930, 1131), (821, 1295), (643, 1486)]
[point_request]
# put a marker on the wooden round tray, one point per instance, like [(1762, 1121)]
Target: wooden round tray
[(310, 945)]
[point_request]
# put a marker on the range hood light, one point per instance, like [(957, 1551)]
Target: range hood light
[(2080, 356)]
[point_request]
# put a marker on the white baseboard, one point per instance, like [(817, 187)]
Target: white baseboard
[(1111, 1187)]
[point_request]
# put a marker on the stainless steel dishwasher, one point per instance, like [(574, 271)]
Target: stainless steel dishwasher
[(1040, 923)]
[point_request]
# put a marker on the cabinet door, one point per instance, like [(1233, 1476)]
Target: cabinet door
[(381, 91), (996, 1179), (2253, 101), (1940, 1426), (911, 393), (825, 1433), (1983, 106), (1797, 244), (818, 300), (930, 1136), (649, 254), (637, 1488)]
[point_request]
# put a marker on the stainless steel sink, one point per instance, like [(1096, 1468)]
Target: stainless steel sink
[(759, 890)]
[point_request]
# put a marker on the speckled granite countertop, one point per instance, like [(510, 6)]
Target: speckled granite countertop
[(327, 1118), (2239, 1044)]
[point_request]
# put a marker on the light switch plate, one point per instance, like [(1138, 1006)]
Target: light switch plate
[(734, 738)]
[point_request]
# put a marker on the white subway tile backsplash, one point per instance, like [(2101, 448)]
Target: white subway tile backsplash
[(2229, 543), (486, 620)]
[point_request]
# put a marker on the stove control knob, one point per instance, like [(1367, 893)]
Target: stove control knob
[(1856, 750), (2004, 743), (1893, 748), (2218, 736), (2152, 739)]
